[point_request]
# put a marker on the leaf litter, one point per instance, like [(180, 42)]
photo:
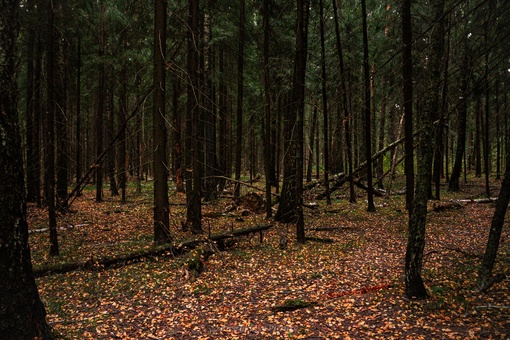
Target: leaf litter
[(350, 288)]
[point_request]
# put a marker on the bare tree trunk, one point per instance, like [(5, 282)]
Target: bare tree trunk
[(193, 180), (49, 157), (485, 279), (161, 205), (407, 38), (240, 91), (23, 314), (368, 114), (290, 209), (100, 107), (415, 287), (267, 108), (345, 105), (324, 105), (453, 184)]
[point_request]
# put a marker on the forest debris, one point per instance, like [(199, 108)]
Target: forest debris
[(329, 228), (291, 305), (491, 306), (163, 250), (443, 206)]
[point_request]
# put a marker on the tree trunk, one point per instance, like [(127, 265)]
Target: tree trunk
[(122, 117), (453, 184), (368, 114), (407, 70), (78, 145), (49, 154), (240, 92), (32, 153), (161, 206), (428, 113), (100, 107), (311, 139), (324, 105), (62, 165), (485, 279), (222, 119), (21, 310), (193, 180), (345, 105), (267, 108), (290, 209), (110, 123)]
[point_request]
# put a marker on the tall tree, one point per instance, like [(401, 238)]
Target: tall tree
[(345, 106), (22, 312), (267, 108), (240, 92), (100, 105), (407, 75), (324, 104), (453, 184), (290, 209), (49, 143), (368, 114), (193, 180), (426, 116), (161, 205)]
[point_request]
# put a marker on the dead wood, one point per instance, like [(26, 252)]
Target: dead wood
[(443, 206), (142, 255)]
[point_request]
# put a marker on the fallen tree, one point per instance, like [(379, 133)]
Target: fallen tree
[(139, 256)]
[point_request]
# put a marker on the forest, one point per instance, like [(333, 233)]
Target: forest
[(254, 169)]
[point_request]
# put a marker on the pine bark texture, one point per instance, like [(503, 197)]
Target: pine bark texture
[(22, 314)]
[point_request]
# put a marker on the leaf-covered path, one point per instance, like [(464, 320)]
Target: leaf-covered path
[(351, 273)]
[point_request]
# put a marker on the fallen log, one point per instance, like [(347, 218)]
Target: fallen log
[(142, 255), (443, 206)]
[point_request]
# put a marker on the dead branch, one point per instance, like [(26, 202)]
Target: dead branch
[(139, 256)]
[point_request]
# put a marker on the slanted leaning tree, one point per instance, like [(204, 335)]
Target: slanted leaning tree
[(22, 314), (485, 279)]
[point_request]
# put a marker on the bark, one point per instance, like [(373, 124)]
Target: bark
[(347, 116), (267, 108), (78, 112), (110, 122), (100, 107), (453, 184), (368, 114), (428, 113), (62, 70), (240, 92), (122, 118), (22, 314), (32, 153), (311, 139), (324, 105), (49, 154), (485, 279), (193, 180), (407, 74), (290, 209), (161, 206)]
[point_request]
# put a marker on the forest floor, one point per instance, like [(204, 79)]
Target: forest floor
[(348, 276)]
